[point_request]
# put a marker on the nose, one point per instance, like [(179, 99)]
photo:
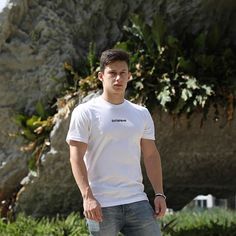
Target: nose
[(118, 77)]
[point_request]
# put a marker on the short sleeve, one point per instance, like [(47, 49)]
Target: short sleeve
[(79, 128), (149, 130)]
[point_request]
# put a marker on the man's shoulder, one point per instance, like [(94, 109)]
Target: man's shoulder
[(136, 106), (85, 105), (84, 108)]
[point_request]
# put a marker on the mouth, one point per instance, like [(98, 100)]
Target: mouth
[(118, 85)]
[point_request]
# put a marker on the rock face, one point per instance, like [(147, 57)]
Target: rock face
[(37, 37), (54, 190), (196, 159)]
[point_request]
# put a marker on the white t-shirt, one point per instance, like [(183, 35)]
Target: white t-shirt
[(113, 134)]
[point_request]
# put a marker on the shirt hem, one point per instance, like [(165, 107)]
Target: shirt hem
[(123, 202), (76, 139)]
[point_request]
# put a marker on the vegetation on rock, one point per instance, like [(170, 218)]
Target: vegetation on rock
[(35, 129), (181, 74)]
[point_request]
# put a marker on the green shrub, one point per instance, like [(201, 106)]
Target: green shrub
[(27, 226), (216, 222), (181, 73), (35, 129)]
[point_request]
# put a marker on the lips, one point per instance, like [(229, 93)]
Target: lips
[(118, 85)]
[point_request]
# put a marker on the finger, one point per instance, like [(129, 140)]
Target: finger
[(161, 212), (98, 213), (96, 217), (88, 215), (157, 210), (157, 215), (95, 214)]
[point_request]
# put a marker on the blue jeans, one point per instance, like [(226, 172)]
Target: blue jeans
[(134, 219)]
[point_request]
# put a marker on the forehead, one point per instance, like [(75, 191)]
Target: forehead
[(117, 65)]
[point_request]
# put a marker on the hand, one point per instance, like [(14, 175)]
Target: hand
[(92, 209), (160, 206)]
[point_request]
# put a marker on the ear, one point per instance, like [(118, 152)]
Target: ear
[(129, 76), (100, 76)]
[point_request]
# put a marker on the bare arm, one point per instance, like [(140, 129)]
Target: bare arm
[(92, 209), (152, 162)]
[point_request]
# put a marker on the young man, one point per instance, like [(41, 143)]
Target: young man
[(106, 137)]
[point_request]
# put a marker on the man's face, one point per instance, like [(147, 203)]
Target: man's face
[(115, 77)]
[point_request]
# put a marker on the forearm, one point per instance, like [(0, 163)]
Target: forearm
[(81, 177), (77, 152), (154, 171)]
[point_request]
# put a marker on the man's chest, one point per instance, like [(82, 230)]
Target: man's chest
[(117, 124)]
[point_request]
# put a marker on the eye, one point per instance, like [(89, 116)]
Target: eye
[(112, 73)]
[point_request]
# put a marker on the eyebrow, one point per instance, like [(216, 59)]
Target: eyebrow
[(112, 70)]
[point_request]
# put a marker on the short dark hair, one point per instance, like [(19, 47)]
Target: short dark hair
[(112, 55)]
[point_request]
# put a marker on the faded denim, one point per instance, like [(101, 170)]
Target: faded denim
[(134, 219)]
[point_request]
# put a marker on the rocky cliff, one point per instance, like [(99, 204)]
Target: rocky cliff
[(37, 37)]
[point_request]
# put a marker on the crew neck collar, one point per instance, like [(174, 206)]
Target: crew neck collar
[(111, 104)]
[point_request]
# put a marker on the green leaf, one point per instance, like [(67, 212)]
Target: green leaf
[(201, 100), (28, 134), (144, 31), (208, 90), (32, 163), (192, 83), (32, 122), (137, 24), (158, 31), (172, 41), (200, 42), (122, 45), (164, 96), (139, 85), (91, 58), (41, 110), (20, 120), (185, 64), (186, 94)]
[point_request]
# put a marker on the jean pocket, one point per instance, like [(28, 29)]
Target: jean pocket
[(93, 226)]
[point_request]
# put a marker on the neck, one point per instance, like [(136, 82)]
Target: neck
[(114, 99)]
